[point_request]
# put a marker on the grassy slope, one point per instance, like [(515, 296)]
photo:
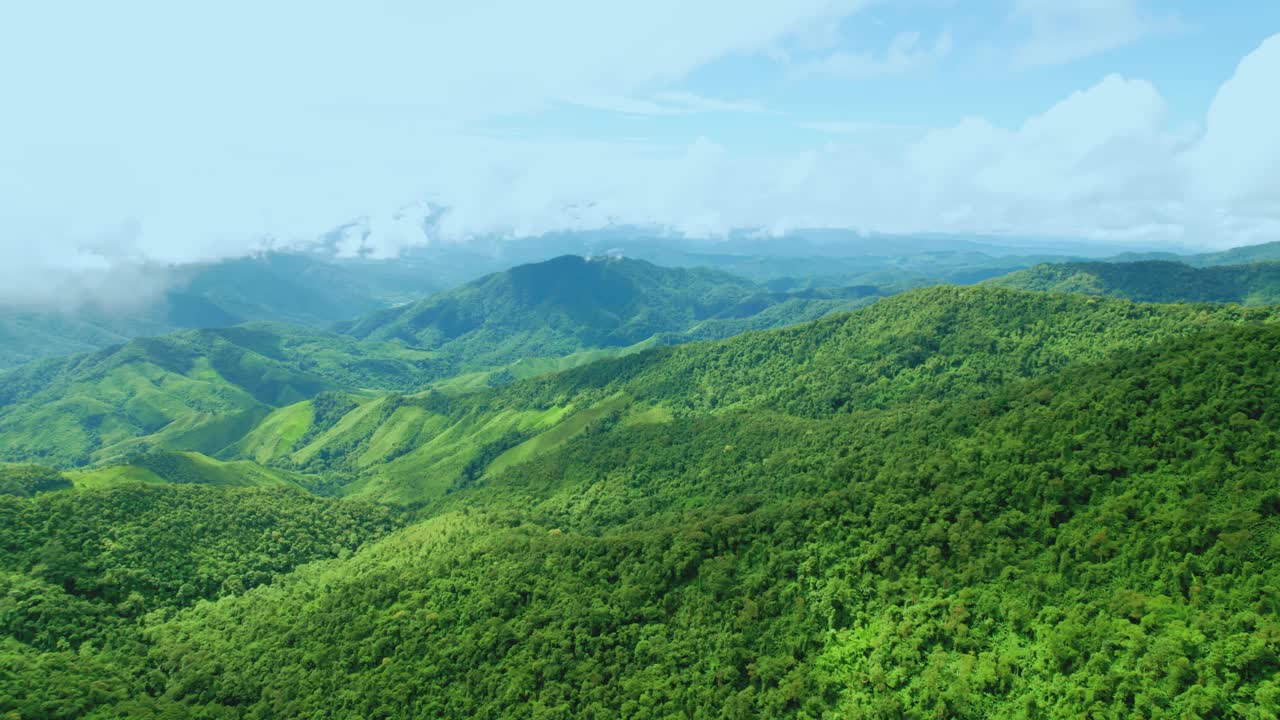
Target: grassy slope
[(236, 392), (186, 468), (195, 390)]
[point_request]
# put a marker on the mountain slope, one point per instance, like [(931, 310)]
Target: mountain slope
[(208, 390), (566, 305), (122, 551), (1102, 539), (194, 390), (1247, 254), (1155, 281), (930, 345)]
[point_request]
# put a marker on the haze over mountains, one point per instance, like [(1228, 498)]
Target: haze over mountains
[(321, 287)]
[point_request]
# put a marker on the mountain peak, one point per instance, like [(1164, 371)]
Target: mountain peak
[(557, 307)]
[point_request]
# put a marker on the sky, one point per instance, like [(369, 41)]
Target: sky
[(158, 132)]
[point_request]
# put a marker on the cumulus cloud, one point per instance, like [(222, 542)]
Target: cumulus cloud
[(1235, 167), (159, 143), (1105, 163), (1095, 161)]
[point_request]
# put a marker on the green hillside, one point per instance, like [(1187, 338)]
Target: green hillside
[(936, 345), (569, 304), (1155, 281), (195, 390), (958, 502), (100, 559), (1035, 555), (1246, 254), (186, 468), (224, 392), (27, 335)]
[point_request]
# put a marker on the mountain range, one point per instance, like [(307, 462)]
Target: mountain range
[(322, 286), (202, 389), (1161, 281), (604, 488)]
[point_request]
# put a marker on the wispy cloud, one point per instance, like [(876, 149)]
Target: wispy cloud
[(906, 52), (666, 103), (856, 127), (1063, 31), (692, 102)]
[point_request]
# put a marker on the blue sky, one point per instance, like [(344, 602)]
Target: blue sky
[(961, 64), (152, 131)]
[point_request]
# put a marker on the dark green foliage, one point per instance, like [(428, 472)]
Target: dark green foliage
[(475, 467), (1155, 281), (328, 408), (28, 480), (937, 344), (131, 549)]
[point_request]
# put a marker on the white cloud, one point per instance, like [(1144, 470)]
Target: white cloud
[(1091, 163), (209, 139), (212, 127), (668, 103), (1103, 163), (1061, 31), (1236, 165), (906, 53), (692, 102)]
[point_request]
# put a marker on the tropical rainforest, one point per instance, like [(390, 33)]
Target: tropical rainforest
[(603, 487)]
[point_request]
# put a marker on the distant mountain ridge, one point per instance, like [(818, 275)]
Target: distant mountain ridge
[(203, 390), (295, 288), (1162, 281), (324, 285), (572, 303), (1245, 254)]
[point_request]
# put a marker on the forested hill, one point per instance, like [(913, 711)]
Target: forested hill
[(1243, 255), (1034, 506), (204, 390), (572, 303), (192, 390), (1155, 281), (932, 345)]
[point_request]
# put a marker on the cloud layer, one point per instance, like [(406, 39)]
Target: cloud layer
[(187, 134)]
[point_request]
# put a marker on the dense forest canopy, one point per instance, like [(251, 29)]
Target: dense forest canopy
[(953, 502)]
